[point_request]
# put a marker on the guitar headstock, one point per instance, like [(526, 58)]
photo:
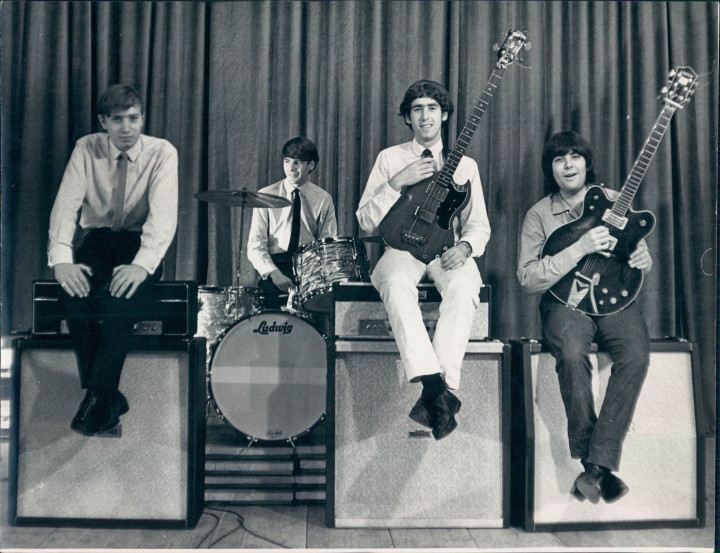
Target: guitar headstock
[(681, 86), (508, 52)]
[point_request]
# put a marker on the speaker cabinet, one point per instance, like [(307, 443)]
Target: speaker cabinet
[(384, 470), (149, 473), (663, 453)]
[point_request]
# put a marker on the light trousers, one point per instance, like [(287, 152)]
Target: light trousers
[(396, 277)]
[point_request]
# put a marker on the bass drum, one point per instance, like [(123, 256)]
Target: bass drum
[(268, 375)]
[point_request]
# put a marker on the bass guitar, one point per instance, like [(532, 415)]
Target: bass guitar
[(421, 220), (603, 283)]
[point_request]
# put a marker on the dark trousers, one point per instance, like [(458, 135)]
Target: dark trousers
[(101, 325), (624, 335)]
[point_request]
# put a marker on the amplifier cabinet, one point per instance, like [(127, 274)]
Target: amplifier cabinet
[(663, 454), (386, 471), (171, 309), (147, 472), (358, 312)]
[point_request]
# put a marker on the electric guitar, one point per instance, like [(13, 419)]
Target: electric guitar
[(603, 283), (421, 220)]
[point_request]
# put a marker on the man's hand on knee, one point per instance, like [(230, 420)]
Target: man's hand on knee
[(126, 279), (73, 278)]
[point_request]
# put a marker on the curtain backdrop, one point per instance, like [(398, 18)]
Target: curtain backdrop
[(229, 83)]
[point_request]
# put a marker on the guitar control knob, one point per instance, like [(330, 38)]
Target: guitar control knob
[(604, 290), (613, 300), (643, 223), (624, 294)]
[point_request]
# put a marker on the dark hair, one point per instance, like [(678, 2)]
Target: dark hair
[(563, 143), (301, 148), (119, 97), (426, 89)]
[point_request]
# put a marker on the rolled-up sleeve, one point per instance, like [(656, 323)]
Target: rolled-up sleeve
[(474, 219), (537, 274)]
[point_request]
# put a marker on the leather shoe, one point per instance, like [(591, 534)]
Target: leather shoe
[(121, 403), (577, 494), (89, 413), (99, 411), (590, 482), (612, 488), (446, 406), (421, 412)]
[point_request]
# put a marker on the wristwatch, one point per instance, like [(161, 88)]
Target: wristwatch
[(467, 245)]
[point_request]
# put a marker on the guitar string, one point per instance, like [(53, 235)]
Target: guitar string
[(430, 203), (594, 260)]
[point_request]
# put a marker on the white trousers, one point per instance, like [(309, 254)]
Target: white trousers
[(396, 277)]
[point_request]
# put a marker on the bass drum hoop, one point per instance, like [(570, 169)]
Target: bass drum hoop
[(305, 317)]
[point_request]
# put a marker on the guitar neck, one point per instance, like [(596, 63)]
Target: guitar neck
[(632, 183), (466, 135)]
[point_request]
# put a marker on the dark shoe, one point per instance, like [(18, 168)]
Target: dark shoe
[(612, 488), (590, 482), (121, 403), (89, 413), (421, 412), (577, 494), (445, 408)]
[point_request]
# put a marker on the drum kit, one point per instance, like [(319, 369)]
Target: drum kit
[(266, 368)]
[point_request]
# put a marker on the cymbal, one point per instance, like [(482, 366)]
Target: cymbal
[(242, 197)]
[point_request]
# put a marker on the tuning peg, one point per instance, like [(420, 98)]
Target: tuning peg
[(672, 73), (664, 90), (496, 47), (528, 45)]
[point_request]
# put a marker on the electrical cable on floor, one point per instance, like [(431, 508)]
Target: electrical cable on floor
[(241, 524), (209, 533)]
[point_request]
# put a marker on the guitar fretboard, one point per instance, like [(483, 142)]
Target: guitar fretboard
[(632, 183), (465, 136)]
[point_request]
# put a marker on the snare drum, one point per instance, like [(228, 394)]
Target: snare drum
[(320, 263), (268, 376)]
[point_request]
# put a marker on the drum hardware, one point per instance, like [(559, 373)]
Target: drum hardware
[(319, 264), (267, 376), (242, 198)]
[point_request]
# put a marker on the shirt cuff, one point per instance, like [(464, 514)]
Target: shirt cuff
[(60, 254), (147, 260)]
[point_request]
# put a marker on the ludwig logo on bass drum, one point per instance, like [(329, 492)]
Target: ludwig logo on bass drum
[(264, 328)]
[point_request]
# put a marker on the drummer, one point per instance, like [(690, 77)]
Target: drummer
[(277, 233)]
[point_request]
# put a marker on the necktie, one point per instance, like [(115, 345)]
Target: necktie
[(295, 232), (119, 195)]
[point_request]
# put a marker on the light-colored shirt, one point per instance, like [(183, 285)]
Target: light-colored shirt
[(472, 226), (85, 198), (271, 227), (537, 274)]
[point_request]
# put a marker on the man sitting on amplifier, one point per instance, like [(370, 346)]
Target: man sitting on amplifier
[(425, 109), (277, 233), (567, 163), (113, 219)]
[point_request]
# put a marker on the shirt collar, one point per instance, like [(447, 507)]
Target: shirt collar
[(132, 153), (418, 148), (290, 188)]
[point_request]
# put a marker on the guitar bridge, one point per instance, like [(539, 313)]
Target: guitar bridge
[(412, 238)]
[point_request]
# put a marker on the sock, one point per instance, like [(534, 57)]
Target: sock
[(433, 386)]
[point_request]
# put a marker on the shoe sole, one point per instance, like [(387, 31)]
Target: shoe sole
[(591, 493), (453, 426), (420, 420)]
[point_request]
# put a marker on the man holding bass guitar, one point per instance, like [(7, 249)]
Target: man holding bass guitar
[(596, 440), (425, 108)]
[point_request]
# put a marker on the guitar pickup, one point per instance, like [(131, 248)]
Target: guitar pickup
[(425, 215), (615, 220), (412, 238)]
